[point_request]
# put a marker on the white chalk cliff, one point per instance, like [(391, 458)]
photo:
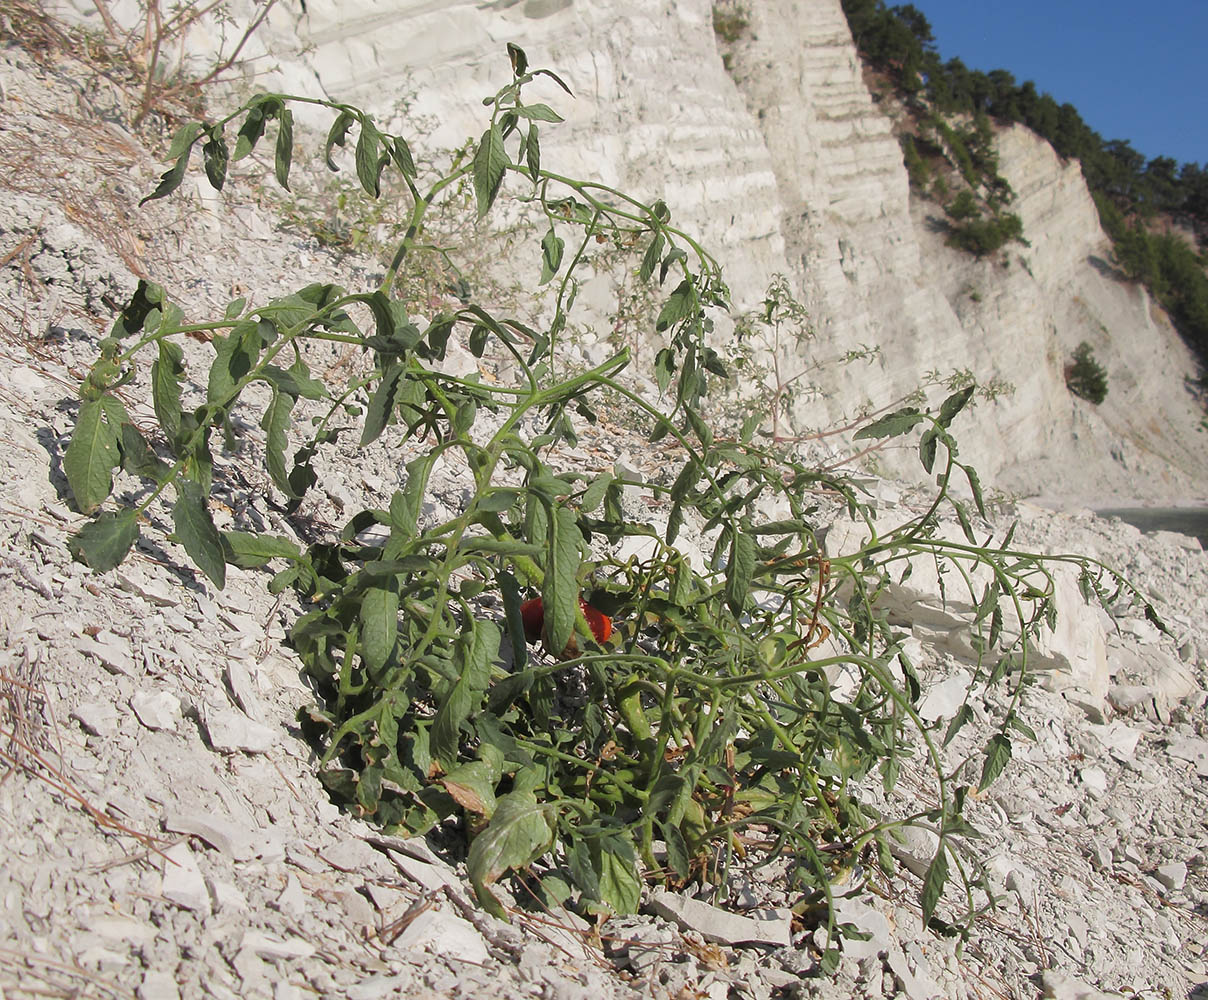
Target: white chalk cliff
[(783, 162)]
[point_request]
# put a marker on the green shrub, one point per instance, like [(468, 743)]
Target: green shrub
[(730, 21), (1085, 377), (709, 712)]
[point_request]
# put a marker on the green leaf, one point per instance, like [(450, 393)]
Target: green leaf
[(954, 404), (215, 155), (248, 550), (1021, 727), (137, 456), (490, 164), (686, 481), (891, 425), (975, 486), (682, 303), (251, 130), (235, 356), (518, 59), (147, 298), (650, 259), (474, 652), (400, 152), (196, 532), (963, 715), (184, 139), (276, 423), (472, 786), (532, 152), (92, 456), (664, 368), (167, 373), (539, 112), (519, 833), (740, 569), (593, 496), (560, 594), (285, 146), (509, 591), (675, 255), (379, 624), (702, 431), (616, 870), (933, 884), (170, 179), (337, 136), (551, 255), (927, 448), (381, 404), (103, 543), (369, 165), (998, 753)]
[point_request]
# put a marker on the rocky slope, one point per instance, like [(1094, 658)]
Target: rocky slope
[(163, 711), (783, 162)]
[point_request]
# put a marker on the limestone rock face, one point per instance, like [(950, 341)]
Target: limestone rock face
[(782, 161)]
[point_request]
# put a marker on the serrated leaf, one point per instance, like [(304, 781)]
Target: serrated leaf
[(337, 135), (170, 179), (680, 304), (379, 624), (933, 884), (890, 425), (551, 255), (702, 430), (998, 753), (686, 481), (285, 146), (276, 423), (490, 164), (196, 532), (560, 593), (740, 569), (518, 834), (184, 139), (675, 255), (92, 456), (650, 259), (103, 542), (249, 550), (369, 167)]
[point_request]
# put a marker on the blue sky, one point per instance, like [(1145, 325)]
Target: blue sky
[(1134, 71)]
